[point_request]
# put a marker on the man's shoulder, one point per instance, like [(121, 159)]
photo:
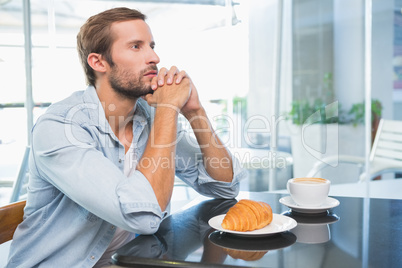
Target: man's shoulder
[(76, 107), (63, 106)]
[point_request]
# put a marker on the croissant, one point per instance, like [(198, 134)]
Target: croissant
[(247, 215)]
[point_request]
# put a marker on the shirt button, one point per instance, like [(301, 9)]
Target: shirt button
[(92, 257), (112, 227), (119, 160)]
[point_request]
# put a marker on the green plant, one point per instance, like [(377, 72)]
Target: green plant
[(358, 110), (302, 111), (239, 104)]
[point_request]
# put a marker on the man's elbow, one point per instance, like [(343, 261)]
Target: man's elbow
[(144, 223)]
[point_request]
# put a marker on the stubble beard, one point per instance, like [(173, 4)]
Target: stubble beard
[(129, 86)]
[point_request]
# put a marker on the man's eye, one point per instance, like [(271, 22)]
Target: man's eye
[(136, 46)]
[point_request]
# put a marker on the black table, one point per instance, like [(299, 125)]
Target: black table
[(360, 232)]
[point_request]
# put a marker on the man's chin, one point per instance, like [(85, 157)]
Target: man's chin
[(147, 92), (150, 91), (132, 93)]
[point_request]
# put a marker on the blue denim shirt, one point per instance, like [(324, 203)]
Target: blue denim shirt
[(77, 191)]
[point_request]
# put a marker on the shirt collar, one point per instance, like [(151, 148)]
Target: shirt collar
[(97, 113)]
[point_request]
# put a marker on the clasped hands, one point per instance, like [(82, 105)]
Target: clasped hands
[(174, 89)]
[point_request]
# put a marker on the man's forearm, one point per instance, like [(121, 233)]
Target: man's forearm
[(217, 160), (158, 161)]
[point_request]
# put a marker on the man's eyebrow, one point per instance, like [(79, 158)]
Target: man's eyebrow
[(140, 42), (135, 42)]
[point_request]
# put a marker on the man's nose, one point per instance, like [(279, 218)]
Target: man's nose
[(153, 58)]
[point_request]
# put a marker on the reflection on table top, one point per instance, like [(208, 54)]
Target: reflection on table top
[(357, 233)]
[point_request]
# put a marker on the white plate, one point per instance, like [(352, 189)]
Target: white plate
[(328, 204), (280, 223)]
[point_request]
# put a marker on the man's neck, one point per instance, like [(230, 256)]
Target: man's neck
[(119, 112)]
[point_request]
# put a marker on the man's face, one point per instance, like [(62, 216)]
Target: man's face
[(134, 59)]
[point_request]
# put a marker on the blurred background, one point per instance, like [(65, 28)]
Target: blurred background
[(284, 82)]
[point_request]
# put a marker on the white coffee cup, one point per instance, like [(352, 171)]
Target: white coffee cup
[(308, 192)]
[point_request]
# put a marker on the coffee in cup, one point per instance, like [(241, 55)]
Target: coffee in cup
[(308, 192)]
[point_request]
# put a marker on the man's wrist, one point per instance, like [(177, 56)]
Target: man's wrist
[(199, 113), (167, 109)]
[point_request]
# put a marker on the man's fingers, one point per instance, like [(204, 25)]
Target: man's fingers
[(161, 76), (180, 76), (159, 80), (170, 74), (154, 83), (148, 98)]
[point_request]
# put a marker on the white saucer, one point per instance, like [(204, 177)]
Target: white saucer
[(280, 223), (328, 204)]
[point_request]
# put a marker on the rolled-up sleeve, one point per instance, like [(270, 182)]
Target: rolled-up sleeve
[(190, 168), (69, 156), (144, 200)]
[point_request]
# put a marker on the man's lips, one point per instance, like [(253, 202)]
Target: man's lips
[(151, 73)]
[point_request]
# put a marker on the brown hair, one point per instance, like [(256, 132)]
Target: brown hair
[(95, 36)]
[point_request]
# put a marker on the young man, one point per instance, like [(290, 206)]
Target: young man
[(103, 161)]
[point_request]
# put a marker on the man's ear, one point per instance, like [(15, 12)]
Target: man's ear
[(96, 62)]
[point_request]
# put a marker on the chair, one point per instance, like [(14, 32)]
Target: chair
[(385, 155), (19, 191), (10, 216)]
